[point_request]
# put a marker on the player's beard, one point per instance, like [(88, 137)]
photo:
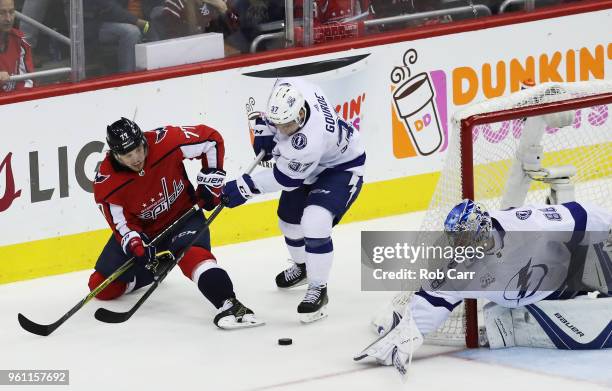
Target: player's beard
[(137, 167)]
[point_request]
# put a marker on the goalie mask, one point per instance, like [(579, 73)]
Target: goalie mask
[(285, 104), (468, 224)]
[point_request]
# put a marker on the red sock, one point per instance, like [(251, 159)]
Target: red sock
[(192, 258), (112, 291)]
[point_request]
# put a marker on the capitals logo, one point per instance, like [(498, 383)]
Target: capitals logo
[(164, 202), (100, 177), (160, 133)]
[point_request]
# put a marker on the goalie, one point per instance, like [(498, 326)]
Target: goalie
[(530, 276)]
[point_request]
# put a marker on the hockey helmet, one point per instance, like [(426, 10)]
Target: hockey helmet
[(468, 224), (285, 104), (123, 136)]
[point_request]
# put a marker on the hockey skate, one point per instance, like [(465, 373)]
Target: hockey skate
[(314, 305), (234, 315), (396, 346), (292, 277)]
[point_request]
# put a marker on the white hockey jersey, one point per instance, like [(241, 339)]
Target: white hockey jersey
[(324, 142), (532, 250), (529, 261)]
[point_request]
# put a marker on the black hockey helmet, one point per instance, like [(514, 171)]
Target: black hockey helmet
[(123, 136)]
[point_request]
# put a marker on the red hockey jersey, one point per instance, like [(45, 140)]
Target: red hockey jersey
[(334, 10), (16, 60), (151, 200)]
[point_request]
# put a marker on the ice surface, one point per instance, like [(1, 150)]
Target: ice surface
[(172, 344)]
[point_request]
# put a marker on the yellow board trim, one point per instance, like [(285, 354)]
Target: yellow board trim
[(258, 220), (249, 222)]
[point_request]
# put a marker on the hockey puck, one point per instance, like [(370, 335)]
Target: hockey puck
[(285, 341)]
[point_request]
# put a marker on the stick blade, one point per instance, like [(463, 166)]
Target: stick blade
[(35, 328), (108, 316)]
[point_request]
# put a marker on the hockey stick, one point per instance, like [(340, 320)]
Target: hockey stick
[(46, 329), (108, 316)]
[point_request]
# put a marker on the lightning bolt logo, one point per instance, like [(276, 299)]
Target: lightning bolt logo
[(523, 280), (526, 282)]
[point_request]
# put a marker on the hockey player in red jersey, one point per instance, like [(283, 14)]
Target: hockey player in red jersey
[(141, 188)]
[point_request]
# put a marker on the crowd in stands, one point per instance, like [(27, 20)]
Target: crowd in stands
[(112, 28)]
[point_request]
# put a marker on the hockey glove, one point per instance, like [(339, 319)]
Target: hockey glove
[(133, 244), (210, 183), (237, 192), (264, 139), (396, 346)]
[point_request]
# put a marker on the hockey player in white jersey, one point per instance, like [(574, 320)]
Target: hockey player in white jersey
[(319, 166), (539, 263)]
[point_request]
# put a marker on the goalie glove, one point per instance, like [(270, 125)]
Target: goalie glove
[(210, 182), (396, 346), (264, 139)]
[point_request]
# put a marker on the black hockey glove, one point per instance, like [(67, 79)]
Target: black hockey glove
[(210, 183)]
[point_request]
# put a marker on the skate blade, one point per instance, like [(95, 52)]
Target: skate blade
[(314, 316), (248, 321)]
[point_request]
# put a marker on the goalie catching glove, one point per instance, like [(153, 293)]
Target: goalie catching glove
[(210, 182), (397, 345)]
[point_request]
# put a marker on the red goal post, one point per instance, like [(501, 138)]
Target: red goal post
[(486, 142)]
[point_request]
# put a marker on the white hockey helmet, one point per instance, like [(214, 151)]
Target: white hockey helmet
[(285, 104)]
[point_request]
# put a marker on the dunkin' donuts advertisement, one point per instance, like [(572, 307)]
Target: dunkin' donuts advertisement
[(419, 110)]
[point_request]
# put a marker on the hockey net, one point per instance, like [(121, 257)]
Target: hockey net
[(488, 138)]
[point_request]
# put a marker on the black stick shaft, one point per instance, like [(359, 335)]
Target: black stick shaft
[(46, 329)]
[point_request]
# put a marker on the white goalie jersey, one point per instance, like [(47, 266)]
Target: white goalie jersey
[(324, 142), (531, 255)]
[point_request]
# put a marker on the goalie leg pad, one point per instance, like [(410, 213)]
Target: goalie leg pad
[(499, 326), (577, 324)]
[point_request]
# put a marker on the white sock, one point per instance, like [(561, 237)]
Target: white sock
[(294, 239), (317, 225), (318, 267)]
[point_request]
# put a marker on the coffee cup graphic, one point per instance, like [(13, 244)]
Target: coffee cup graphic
[(415, 105)]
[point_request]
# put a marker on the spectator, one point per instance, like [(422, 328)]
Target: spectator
[(15, 52), (147, 10), (329, 11), (110, 22), (245, 17), (188, 17), (37, 10)]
